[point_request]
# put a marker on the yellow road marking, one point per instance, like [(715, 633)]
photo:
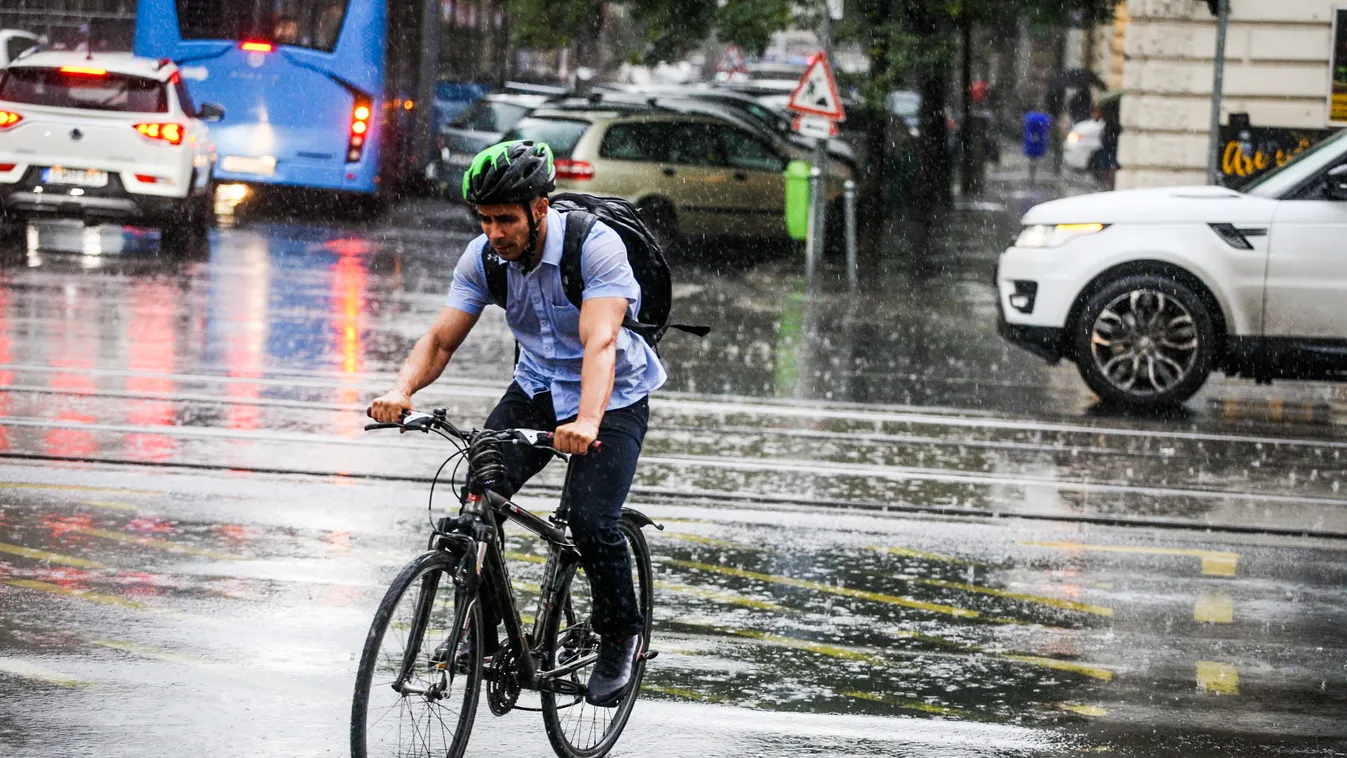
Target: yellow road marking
[(90, 595), (683, 693), (1096, 672), (172, 547), (76, 488), (42, 674), (877, 597), (1217, 678), (1214, 608), (1082, 709), (43, 555), (909, 704), (687, 537), (723, 597), (907, 552), (1069, 605), (110, 504), (832, 651), (149, 652), (1214, 562)]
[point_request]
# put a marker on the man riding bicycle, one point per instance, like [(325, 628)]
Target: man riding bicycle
[(580, 373)]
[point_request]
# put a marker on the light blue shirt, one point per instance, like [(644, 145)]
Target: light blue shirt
[(547, 325)]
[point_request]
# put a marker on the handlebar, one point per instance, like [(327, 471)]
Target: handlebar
[(424, 422)]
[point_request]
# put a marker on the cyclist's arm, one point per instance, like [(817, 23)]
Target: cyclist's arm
[(426, 362), (600, 320)]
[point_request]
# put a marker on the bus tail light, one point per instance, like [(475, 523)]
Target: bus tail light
[(170, 133), (574, 170), (360, 123), (8, 119)]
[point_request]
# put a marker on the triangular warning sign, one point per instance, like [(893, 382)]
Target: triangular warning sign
[(732, 61), (816, 94)]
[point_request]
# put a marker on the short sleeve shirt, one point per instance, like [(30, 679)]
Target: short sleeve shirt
[(547, 325)]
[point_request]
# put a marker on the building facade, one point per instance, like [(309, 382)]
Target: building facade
[(1277, 71)]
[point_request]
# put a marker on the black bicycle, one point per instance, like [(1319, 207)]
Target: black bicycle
[(422, 668)]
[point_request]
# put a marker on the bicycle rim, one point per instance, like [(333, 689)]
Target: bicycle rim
[(575, 728), (433, 716)]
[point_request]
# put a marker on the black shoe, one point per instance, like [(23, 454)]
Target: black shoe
[(612, 674)]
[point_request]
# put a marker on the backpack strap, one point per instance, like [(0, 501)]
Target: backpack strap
[(578, 226), (497, 275)]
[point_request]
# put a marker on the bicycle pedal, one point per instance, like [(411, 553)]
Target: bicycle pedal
[(649, 655)]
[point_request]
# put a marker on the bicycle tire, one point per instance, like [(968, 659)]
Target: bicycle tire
[(563, 610), (432, 570)]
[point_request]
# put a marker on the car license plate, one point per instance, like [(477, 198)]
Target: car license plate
[(84, 177)]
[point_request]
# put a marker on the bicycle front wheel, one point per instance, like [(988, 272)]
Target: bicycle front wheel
[(420, 674), (576, 728)]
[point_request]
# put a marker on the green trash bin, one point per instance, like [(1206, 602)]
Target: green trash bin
[(797, 199)]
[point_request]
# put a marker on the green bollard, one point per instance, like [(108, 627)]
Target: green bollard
[(797, 199)]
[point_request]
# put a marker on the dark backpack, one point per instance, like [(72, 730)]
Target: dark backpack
[(643, 253)]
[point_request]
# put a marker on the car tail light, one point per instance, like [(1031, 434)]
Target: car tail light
[(6, 167), (8, 119), (574, 170), (83, 71), (147, 179), (170, 133), (360, 122), (257, 47)]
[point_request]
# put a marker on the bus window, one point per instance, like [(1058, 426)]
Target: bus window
[(314, 24)]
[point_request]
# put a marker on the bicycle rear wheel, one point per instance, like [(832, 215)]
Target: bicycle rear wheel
[(432, 714), (576, 728)]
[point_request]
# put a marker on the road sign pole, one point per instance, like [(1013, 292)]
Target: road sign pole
[(819, 176)]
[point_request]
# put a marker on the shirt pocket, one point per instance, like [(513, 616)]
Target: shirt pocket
[(564, 314)]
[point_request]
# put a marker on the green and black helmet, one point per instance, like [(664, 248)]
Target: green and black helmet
[(510, 172)]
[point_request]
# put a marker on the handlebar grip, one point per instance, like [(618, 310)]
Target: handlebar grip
[(372, 427), (594, 446)]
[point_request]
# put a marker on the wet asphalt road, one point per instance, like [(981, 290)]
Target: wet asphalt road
[(194, 530)]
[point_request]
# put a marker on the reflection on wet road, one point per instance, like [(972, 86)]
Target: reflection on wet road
[(194, 529)]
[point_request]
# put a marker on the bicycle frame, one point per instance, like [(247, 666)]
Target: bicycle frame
[(483, 561)]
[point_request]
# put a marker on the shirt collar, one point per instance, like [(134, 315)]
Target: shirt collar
[(556, 239)]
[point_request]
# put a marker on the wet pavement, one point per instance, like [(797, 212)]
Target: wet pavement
[(888, 532)]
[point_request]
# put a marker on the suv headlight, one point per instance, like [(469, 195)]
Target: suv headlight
[(1047, 235)]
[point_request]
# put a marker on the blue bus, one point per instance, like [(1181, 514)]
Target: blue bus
[(323, 94)]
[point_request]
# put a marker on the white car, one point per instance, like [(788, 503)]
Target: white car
[(1148, 291), (1082, 142), (104, 137)]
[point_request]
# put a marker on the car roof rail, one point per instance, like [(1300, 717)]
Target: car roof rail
[(525, 88)]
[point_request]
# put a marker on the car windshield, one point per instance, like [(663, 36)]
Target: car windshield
[(490, 116), (1279, 181), (89, 88), (560, 134)]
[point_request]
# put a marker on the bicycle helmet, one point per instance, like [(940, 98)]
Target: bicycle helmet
[(510, 172)]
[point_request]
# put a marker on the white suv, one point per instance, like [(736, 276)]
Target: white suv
[(1148, 291), (107, 136)]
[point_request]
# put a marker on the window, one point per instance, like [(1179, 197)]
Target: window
[(560, 134), (743, 151), (303, 23), (17, 45), (106, 92), (184, 97), (1278, 182), (694, 145), (635, 142), (490, 116)]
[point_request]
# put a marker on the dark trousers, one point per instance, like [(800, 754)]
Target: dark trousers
[(598, 488)]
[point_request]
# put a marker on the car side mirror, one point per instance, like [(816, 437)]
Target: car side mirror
[(1335, 183), (210, 112)]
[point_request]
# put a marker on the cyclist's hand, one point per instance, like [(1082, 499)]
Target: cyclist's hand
[(390, 407), (575, 437)]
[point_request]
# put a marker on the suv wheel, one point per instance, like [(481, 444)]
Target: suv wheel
[(1144, 341)]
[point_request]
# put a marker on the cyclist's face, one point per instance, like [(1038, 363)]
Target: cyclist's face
[(507, 228)]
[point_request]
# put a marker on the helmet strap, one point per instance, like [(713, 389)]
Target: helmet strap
[(534, 255)]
